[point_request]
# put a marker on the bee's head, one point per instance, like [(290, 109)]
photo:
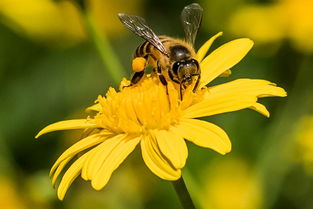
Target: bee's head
[(186, 70)]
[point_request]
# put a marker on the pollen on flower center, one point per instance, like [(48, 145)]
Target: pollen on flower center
[(140, 108)]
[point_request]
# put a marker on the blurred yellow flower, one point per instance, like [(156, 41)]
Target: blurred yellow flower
[(104, 10), (291, 19), (304, 139), (154, 116), (230, 183), (60, 21), (44, 20), (9, 198)]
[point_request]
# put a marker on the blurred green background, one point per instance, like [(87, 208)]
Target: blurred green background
[(51, 69)]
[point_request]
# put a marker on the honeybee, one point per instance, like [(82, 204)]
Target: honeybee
[(171, 58)]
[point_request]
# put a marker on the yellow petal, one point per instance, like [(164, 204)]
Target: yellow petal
[(227, 73), (173, 147), (219, 105), (81, 145), (66, 125), (204, 134), (113, 160), (59, 169), (260, 109), (70, 176), (206, 46), (253, 87), (155, 160), (233, 96), (84, 173), (99, 155), (96, 107), (223, 58)]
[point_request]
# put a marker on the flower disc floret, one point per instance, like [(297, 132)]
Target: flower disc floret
[(139, 109)]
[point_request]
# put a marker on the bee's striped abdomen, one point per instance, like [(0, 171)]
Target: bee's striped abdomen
[(147, 49), (141, 50)]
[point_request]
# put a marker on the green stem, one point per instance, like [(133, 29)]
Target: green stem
[(183, 194), (104, 48)]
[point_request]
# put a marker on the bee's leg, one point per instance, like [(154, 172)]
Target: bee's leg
[(136, 77), (163, 80), (181, 91), (197, 82), (161, 77), (139, 66), (170, 74)]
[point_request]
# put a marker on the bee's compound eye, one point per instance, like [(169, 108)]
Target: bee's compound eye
[(176, 67), (193, 61)]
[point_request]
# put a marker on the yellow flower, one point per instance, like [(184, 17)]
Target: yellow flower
[(280, 20), (154, 117), (104, 10), (44, 20), (231, 179), (9, 196), (304, 142), (61, 22)]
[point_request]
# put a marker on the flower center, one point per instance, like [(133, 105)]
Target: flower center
[(140, 108)]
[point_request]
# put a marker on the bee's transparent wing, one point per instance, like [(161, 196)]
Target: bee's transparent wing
[(191, 17), (139, 26)]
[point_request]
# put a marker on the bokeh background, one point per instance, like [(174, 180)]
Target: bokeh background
[(54, 61)]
